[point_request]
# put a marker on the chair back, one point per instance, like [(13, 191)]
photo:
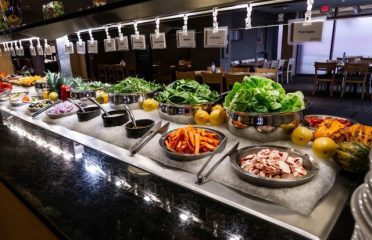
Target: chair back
[(239, 69), (250, 60), (266, 64), (325, 66), (356, 69), (281, 64), (290, 64), (190, 75), (232, 78), (213, 78), (274, 64), (218, 69)]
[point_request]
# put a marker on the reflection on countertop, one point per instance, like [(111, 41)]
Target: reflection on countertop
[(85, 194)]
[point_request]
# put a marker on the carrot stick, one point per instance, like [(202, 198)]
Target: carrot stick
[(192, 138), (197, 143), (167, 144)]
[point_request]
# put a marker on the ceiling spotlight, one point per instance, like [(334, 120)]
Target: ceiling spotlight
[(357, 10)]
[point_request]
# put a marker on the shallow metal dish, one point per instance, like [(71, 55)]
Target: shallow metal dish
[(182, 114), (308, 162), (132, 100), (263, 127), (82, 94), (188, 157)]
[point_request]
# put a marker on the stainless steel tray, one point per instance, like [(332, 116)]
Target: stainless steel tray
[(132, 100), (181, 114), (308, 162), (184, 156), (82, 94)]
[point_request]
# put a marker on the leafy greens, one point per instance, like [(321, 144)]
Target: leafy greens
[(261, 95), (187, 92), (134, 85)]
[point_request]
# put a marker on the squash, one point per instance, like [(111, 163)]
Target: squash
[(360, 133), (331, 128), (352, 157)]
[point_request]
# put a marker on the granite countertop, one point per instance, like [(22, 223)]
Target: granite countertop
[(94, 196)]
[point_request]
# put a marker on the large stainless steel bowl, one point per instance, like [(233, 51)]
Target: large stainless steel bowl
[(263, 127), (182, 114), (132, 100), (309, 164), (82, 94), (40, 86)]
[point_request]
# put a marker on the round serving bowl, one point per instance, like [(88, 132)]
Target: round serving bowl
[(181, 114), (263, 127), (88, 114), (309, 164), (40, 86), (189, 157), (115, 118), (132, 100), (82, 94), (143, 126)]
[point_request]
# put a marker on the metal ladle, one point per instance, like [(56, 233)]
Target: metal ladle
[(76, 104), (131, 115), (99, 105)]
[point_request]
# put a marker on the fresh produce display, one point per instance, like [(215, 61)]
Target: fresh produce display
[(360, 133), (38, 105), (273, 164), (313, 120), (24, 81), (102, 97), (191, 140), (187, 92), (4, 87), (80, 85), (134, 85), (218, 116), (262, 95), (324, 147), (301, 136), (53, 9), (331, 128), (201, 117), (61, 108), (352, 156), (150, 104)]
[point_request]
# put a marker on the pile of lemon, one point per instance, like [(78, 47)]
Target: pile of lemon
[(217, 116)]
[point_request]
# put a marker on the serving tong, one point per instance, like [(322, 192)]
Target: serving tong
[(201, 178), (44, 109)]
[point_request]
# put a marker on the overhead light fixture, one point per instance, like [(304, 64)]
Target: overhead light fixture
[(357, 10)]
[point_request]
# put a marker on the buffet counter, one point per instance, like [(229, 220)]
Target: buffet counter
[(317, 224)]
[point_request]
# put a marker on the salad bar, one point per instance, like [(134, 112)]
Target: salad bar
[(280, 160)]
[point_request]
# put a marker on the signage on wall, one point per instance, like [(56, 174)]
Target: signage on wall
[(300, 32), (138, 42), (110, 45), (215, 39), (69, 48), (186, 39), (80, 47), (122, 43), (32, 51), (92, 46), (158, 41)]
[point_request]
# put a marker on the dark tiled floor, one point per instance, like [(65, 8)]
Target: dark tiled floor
[(351, 106)]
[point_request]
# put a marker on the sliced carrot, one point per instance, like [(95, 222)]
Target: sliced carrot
[(197, 143), (192, 138)]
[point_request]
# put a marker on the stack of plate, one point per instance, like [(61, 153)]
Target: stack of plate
[(361, 207)]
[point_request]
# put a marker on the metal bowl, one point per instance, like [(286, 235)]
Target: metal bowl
[(263, 127), (40, 86), (181, 114), (308, 162), (185, 156), (82, 94), (132, 100)]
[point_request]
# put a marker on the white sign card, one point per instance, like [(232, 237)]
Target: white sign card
[(216, 39), (158, 41), (110, 45), (53, 48), (12, 52), (186, 39), (69, 48), (39, 50), (300, 32), (80, 48), (138, 42), (32, 51), (92, 46), (48, 50), (122, 43)]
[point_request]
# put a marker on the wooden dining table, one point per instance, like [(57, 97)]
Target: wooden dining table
[(198, 74)]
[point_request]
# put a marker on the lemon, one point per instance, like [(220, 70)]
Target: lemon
[(53, 96), (201, 117), (45, 94), (301, 135), (324, 147), (102, 98), (217, 117), (217, 106), (150, 104)]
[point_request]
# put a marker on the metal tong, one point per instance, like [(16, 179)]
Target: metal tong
[(44, 109), (200, 177)]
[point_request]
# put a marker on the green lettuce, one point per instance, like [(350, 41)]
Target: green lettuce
[(261, 95)]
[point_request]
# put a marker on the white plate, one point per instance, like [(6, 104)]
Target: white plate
[(363, 209), (358, 217), (366, 203)]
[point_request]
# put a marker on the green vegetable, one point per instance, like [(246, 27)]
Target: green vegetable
[(80, 85), (352, 157), (187, 92), (134, 85), (261, 95)]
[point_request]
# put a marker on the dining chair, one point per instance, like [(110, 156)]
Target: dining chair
[(325, 72), (213, 78), (218, 69), (119, 72), (190, 75), (266, 64), (270, 73), (238, 69), (274, 64), (355, 74), (102, 74), (111, 76), (288, 70), (231, 78), (281, 66)]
